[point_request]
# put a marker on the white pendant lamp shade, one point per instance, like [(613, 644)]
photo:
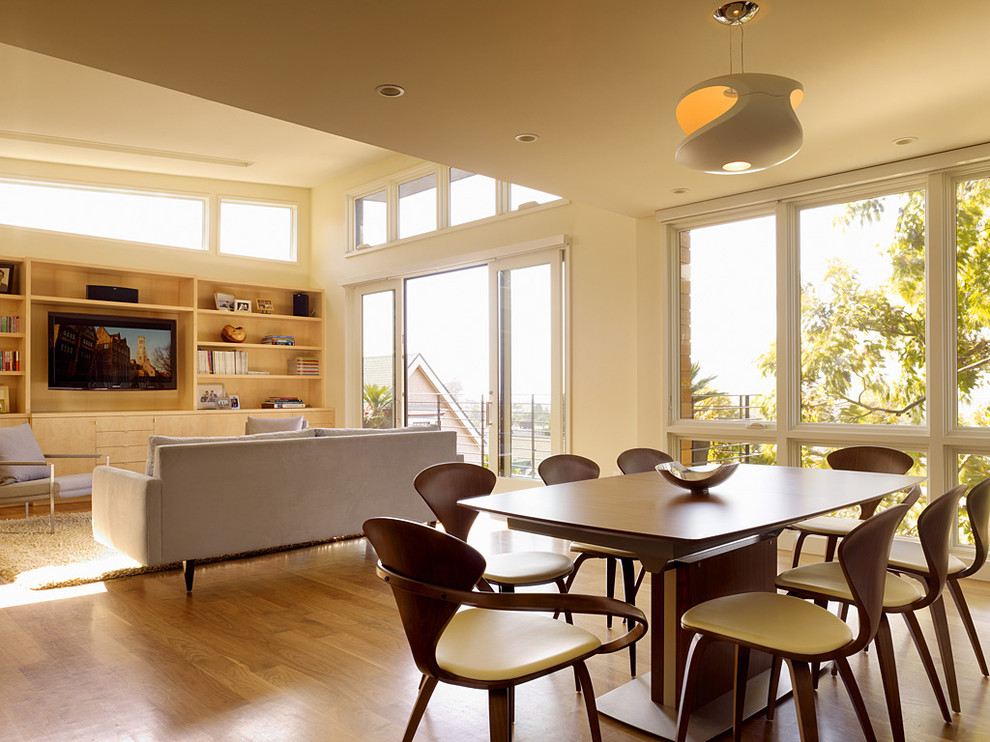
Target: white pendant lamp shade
[(739, 123)]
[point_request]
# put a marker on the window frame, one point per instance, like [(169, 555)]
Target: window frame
[(293, 208), (390, 185), (941, 438)]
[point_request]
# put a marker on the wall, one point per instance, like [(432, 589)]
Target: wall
[(602, 266)]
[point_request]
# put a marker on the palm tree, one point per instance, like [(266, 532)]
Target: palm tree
[(378, 406)]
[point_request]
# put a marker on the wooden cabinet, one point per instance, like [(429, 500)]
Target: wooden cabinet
[(13, 338), (119, 422), (270, 369)]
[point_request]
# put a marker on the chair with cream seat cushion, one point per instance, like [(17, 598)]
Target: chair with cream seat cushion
[(490, 641), (796, 631), (909, 557), (822, 582), (567, 467), (442, 485), (638, 460), (851, 458)]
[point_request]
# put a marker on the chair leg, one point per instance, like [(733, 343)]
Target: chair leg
[(573, 575), (739, 691), (926, 659), (941, 623), (833, 541), (562, 587), (629, 592), (499, 724), (797, 548), (609, 585), (691, 669), (955, 588), (775, 662), (857, 698), (804, 700), (426, 687), (888, 673), (581, 670)]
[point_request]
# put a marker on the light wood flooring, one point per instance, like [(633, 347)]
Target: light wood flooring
[(306, 645)]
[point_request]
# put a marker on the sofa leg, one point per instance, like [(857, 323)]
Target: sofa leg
[(187, 571)]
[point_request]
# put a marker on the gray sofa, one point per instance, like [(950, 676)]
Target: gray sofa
[(203, 498)]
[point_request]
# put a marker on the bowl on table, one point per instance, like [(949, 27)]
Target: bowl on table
[(698, 479)]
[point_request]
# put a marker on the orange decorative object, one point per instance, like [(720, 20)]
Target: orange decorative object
[(231, 334)]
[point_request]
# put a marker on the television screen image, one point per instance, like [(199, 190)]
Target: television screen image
[(109, 352)]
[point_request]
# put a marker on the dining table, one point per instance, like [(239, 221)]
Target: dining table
[(697, 546)]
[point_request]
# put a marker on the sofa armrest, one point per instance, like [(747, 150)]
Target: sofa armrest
[(127, 513)]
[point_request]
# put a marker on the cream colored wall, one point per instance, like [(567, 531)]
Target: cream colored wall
[(603, 335), (15, 242)]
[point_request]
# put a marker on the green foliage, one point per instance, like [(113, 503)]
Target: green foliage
[(377, 406)]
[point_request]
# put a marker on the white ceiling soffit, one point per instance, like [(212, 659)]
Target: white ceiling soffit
[(598, 82)]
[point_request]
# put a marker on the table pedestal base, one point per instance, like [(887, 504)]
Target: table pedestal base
[(631, 705)]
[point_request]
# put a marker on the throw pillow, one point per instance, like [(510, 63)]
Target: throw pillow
[(17, 443), (154, 441), (272, 424)]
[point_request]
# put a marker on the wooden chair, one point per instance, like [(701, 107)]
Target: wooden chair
[(431, 574), (796, 631), (852, 458), (909, 557), (822, 582), (442, 485), (568, 467), (637, 460)]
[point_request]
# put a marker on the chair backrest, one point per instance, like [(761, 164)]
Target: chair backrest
[(442, 485), (978, 508), (637, 460), (863, 556), (567, 467), (870, 458), (935, 526), (423, 556)]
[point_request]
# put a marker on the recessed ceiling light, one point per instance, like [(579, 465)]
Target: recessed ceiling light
[(390, 90), (526, 138), (901, 141), (678, 191)]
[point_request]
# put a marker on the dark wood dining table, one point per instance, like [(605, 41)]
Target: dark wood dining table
[(696, 547)]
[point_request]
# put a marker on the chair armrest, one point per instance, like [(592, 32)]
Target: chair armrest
[(542, 602), (26, 463), (105, 456)]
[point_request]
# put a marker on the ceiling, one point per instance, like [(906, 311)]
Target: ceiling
[(285, 92)]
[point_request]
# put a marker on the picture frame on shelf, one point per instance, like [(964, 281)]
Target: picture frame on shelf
[(223, 403), (235, 402), (225, 302), (207, 396), (6, 278), (4, 399), (242, 305), (263, 306)]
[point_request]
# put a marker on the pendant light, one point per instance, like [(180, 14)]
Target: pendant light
[(741, 122)]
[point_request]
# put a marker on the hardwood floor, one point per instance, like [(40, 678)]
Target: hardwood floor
[(306, 645)]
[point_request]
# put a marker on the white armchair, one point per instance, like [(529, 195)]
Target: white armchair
[(27, 475)]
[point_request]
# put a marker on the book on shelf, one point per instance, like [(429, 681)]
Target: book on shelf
[(278, 340), (304, 366), (10, 360), (279, 403), (226, 362), (10, 323)]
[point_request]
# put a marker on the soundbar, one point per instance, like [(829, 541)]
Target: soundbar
[(111, 293)]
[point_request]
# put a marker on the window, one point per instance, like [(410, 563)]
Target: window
[(257, 230), (371, 219), (378, 359), (472, 196), (418, 206), (727, 364), (427, 199), (520, 196), (973, 302), (863, 311), (150, 218)]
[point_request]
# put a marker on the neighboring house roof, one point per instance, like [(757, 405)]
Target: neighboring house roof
[(378, 370), (418, 364)]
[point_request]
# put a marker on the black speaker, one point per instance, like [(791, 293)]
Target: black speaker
[(300, 305), (111, 293)]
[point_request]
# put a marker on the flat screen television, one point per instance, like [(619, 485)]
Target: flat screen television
[(88, 351)]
